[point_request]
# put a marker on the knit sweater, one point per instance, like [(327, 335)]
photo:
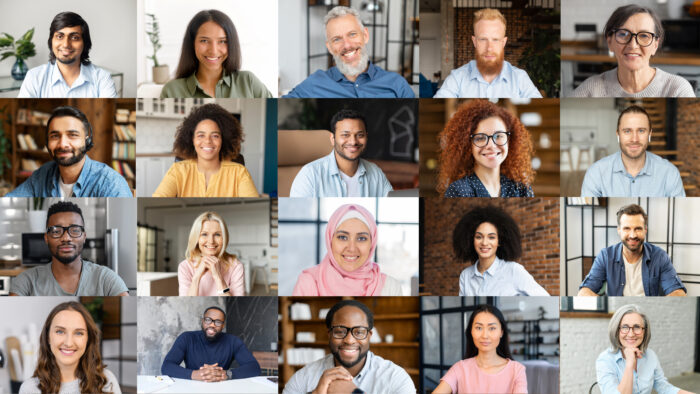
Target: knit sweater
[(662, 85)]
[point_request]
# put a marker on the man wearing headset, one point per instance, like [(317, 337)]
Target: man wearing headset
[(633, 172), (72, 173)]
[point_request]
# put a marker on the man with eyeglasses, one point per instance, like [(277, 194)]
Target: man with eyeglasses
[(351, 367), (209, 353), (633, 172), (68, 274)]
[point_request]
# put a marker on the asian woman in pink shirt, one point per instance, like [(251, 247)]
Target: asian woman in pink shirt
[(488, 366), (207, 269)]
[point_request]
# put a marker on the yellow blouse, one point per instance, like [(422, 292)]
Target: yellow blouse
[(183, 179)]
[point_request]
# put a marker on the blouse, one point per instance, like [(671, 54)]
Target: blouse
[(471, 186), (662, 85), (609, 368), (503, 278), (239, 84), (183, 179), (466, 377), (233, 278)]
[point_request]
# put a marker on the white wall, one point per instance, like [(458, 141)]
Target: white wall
[(292, 43), (112, 30), (121, 214), (584, 116), (430, 44), (597, 12)]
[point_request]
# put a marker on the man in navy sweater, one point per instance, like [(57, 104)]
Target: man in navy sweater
[(208, 353)]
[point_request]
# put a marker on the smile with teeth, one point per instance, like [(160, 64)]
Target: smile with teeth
[(67, 352), (211, 331), (351, 259), (349, 351)]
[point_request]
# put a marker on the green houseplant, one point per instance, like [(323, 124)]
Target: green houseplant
[(161, 72), (22, 49), (542, 58)]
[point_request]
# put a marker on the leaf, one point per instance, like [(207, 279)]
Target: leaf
[(6, 55), (28, 35), (9, 36)]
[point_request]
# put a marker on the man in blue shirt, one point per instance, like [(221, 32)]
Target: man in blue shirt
[(72, 173), (69, 72), (353, 75), (632, 267), (343, 173), (633, 172), (489, 76), (208, 353)]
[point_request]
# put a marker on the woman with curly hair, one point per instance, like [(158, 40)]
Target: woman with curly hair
[(208, 138), (489, 238), (485, 152), (69, 355)]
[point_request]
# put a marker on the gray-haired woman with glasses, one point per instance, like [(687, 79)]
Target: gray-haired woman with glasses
[(629, 366), (634, 33)]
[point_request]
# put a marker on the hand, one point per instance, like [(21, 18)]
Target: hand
[(200, 269), (209, 373), (631, 354), (341, 386), (329, 375), (212, 263)]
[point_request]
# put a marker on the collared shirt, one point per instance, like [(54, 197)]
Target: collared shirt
[(608, 177), (95, 280), (377, 376), (503, 278), (321, 178), (610, 367), (47, 81), (658, 274), (471, 186), (96, 180), (373, 83), (239, 84), (467, 81)]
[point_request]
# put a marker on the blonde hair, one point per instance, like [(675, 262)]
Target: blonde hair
[(193, 253), (489, 14)]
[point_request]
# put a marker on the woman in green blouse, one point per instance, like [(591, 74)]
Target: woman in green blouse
[(210, 62)]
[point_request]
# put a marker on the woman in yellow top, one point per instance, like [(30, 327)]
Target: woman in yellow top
[(208, 139)]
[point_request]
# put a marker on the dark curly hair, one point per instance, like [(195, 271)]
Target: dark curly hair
[(509, 247), (357, 304), (456, 159), (231, 132), (63, 206)]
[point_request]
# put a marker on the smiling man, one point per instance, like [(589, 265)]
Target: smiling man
[(633, 172), (69, 72), (632, 267), (354, 75), (351, 367), (343, 173), (68, 274), (209, 353)]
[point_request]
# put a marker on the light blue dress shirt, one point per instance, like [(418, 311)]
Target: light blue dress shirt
[(467, 81), (609, 368), (608, 177), (321, 178), (46, 81), (503, 278)]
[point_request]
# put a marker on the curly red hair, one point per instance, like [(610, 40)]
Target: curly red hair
[(456, 159)]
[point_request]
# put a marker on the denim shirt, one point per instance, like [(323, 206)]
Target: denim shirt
[(609, 368), (658, 275)]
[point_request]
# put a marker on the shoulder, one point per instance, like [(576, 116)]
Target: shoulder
[(183, 166), (30, 386), (386, 366), (175, 88), (232, 166), (662, 162), (185, 266), (462, 187), (651, 356), (99, 270), (605, 163), (103, 169), (35, 273), (467, 272), (463, 70), (672, 80), (516, 366), (592, 86), (371, 167), (317, 165), (607, 356), (38, 71), (518, 72), (111, 381)]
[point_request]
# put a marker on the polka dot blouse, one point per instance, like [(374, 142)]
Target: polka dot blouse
[(471, 186)]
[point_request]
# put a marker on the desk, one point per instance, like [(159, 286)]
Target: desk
[(7, 83), (259, 384)]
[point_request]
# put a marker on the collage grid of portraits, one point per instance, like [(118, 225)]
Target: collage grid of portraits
[(502, 202)]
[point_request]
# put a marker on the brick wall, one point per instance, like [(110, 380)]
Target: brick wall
[(688, 119), (539, 225)]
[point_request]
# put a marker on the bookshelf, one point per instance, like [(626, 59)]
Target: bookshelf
[(124, 137)]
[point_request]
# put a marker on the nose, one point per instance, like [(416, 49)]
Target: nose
[(65, 236), (350, 339), (63, 141)]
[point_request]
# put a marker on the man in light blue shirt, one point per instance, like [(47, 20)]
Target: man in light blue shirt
[(633, 172), (489, 76), (69, 72), (343, 173)]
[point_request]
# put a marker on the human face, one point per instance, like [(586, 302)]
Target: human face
[(68, 338), (207, 140), (632, 231), (630, 339), (491, 155), (486, 241), (634, 133), (211, 46), (351, 244), (211, 238), (67, 140), (346, 40), (349, 351), (67, 44), (489, 41), (349, 139), (486, 332), (65, 249), (631, 56), (211, 331)]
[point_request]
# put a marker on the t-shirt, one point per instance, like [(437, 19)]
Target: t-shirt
[(634, 286), (466, 377), (31, 386), (352, 184), (95, 280)]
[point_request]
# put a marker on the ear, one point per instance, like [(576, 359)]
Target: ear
[(366, 35), (505, 39), (46, 238), (328, 46), (474, 41), (332, 139), (609, 40)]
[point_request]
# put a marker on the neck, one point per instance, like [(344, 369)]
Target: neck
[(205, 75), (634, 81), (631, 256), (67, 373), (488, 358), (355, 369), (208, 166), (490, 178), (485, 264), (634, 166), (70, 174), (61, 269), (348, 167)]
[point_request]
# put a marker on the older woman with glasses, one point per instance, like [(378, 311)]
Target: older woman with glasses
[(486, 153), (629, 366), (634, 34)]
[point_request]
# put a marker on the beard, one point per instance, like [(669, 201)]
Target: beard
[(489, 66), (68, 60), (69, 258), (69, 161), (339, 150), (347, 69), (360, 357), (625, 152), (213, 338), (635, 249)]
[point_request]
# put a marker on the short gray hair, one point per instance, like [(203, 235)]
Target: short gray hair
[(614, 327), (339, 11)]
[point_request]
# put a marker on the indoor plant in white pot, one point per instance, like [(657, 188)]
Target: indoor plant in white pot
[(161, 72)]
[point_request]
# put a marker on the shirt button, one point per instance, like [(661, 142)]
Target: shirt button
[(357, 85)]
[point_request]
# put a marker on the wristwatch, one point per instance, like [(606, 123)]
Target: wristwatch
[(358, 391), (224, 291), (229, 374)]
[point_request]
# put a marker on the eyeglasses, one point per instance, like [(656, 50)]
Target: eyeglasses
[(209, 320), (643, 38), (74, 231), (340, 332), (637, 329), (499, 138)]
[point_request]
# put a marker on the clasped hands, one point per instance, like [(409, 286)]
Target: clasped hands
[(207, 263), (210, 373), (335, 380)]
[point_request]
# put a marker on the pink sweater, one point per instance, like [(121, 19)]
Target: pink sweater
[(234, 279), (466, 377)]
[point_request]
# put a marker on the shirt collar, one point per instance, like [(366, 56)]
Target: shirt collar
[(493, 269), (84, 174), (337, 76), (619, 166), (192, 83), (506, 73), (56, 75), (333, 165), (366, 367), (646, 253)]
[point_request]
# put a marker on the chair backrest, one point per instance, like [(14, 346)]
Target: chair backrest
[(295, 148), (595, 389)]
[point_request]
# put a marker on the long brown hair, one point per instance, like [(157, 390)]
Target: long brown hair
[(90, 369)]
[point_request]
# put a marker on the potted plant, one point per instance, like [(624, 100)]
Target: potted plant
[(94, 306), (5, 147), (37, 214), (161, 72), (21, 49)]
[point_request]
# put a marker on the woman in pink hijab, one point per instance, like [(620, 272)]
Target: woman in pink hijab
[(348, 269)]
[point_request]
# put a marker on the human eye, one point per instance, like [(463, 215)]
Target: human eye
[(59, 331), (362, 238), (75, 37), (342, 237), (642, 131)]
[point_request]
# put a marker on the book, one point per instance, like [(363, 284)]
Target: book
[(22, 142)]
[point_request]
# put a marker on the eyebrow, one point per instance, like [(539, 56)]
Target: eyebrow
[(346, 232), (221, 37), (480, 233), (67, 131), (75, 329), (481, 324)]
